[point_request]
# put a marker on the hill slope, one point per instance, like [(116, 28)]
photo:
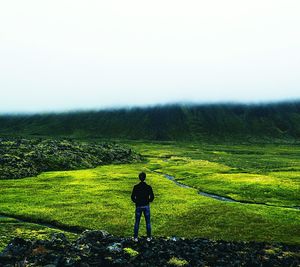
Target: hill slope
[(175, 122)]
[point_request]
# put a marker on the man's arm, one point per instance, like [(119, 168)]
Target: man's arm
[(151, 195), (133, 195)]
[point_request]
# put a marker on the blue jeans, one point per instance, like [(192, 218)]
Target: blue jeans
[(138, 214)]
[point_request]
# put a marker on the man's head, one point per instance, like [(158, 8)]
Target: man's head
[(142, 176)]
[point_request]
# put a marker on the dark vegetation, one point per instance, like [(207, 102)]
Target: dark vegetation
[(99, 248), (28, 157), (174, 122)]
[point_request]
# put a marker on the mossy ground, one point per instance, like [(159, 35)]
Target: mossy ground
[(10, 228), (100, 198), (21, 157)]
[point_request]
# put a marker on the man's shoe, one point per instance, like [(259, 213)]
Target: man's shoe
[(149, 239), (135, 239)]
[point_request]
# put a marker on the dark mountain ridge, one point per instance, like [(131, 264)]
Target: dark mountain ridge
[(169, 122)]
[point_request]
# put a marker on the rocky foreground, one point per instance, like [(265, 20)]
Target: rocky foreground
[(99, 248)]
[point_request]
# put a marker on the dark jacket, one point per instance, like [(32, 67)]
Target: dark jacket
[(142, 194)]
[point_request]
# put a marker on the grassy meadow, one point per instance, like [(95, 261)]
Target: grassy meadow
[(267, 174), (99, 198)]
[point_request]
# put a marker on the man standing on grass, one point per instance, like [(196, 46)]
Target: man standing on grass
[(142, 195)]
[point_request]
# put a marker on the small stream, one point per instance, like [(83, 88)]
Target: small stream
[(77, 230), (218, 197), (172, 178)]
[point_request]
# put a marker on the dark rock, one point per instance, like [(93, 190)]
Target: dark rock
[(18, 248), (93, 236), (99, 248), (115, 248)]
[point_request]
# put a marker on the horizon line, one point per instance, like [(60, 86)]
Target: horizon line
[(149, 106)]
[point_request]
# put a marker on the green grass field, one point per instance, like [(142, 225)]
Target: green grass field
[(100, 198)]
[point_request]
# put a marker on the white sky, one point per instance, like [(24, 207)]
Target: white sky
[(62, 55)]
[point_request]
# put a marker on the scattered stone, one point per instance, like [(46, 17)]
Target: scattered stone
[(93, 236), (174, 238), (99, 248), (115, 248), (17, 248)]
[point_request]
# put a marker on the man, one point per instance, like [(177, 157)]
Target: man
[(142, 195)]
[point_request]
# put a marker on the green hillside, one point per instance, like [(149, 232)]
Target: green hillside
[(173, 122)]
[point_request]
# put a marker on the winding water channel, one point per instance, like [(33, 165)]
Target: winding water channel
[(221, 198), (77, 230)]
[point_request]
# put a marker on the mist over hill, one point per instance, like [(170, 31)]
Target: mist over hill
[(170, 122)]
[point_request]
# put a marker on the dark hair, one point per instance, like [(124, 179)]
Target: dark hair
[(142, 176)]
